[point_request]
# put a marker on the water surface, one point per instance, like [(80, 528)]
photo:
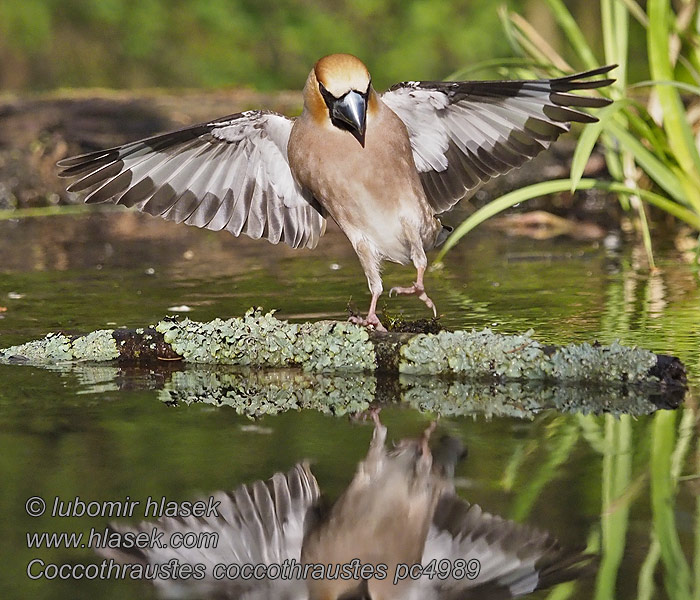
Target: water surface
[(622, 486)]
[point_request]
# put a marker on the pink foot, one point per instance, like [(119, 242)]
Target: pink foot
[(416, 290), (371, 320)]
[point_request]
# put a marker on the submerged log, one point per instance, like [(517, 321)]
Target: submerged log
[(263, 341)]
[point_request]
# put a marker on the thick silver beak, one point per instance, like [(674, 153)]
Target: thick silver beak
[(352, 110)]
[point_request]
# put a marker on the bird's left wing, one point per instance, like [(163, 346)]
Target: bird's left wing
[(488, 557), (463, 133), (232, 173), (258, 524)]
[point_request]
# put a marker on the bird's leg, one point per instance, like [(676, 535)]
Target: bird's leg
[(424, 462), (371, 318), (370, 265), (379, 434), (416, 289), (376, 454), (420, 261)]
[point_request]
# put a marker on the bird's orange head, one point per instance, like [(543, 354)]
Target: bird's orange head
[(339, 89)]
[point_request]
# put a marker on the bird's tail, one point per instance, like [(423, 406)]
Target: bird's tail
[(443, 235)]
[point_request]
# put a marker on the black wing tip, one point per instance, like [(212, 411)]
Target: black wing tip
[(584, 77), (77, 160), (566, 78), (599, 70)]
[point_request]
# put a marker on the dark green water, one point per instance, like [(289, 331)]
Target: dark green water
[(623, 486)]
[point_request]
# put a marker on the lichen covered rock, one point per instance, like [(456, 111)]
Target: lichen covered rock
[(258, 339), (261, 340), (57, 348)]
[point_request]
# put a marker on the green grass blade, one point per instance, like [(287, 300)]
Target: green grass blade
[(612, 157), (637, 12), (686, 87), (615, 24), (498, 205), (589, 136), (676, 124), (503, 17), (661, 202), (646, 588), (555, 186), (649, 131), (644, 226), (573, 33), (656, 169), (535, 45), (663, 492)]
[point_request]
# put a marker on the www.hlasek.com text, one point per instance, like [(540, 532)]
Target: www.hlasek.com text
[(174, 570)]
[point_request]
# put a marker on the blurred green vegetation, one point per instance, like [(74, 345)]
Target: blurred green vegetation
[(266, 44), (650, 138)]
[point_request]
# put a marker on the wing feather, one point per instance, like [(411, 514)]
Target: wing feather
[(464, 133), (261, 523), (232, 173), (513, 559)]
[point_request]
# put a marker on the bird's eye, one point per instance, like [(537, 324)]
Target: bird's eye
[(328, 98)]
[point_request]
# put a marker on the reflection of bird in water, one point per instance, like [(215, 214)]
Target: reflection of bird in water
[(381, 165), (399, 512)]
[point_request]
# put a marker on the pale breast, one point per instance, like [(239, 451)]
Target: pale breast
[(373, 192)]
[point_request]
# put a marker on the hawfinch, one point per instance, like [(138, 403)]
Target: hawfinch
[(399, 531), (381, 165)]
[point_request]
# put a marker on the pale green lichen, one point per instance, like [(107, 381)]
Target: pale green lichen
[(522, 399), (256, 393), (95, 346), (602, 363), (56, 348), (484, 354), (475, 354), (262, 340), (96, 379)]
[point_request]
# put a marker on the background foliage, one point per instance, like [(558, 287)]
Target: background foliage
[(266, 44)]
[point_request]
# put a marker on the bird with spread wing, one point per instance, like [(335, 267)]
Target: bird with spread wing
[(382, 166), (400, 511)]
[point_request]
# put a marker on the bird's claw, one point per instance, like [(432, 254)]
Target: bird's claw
[(371, 413), (415, 290), (371, 320)]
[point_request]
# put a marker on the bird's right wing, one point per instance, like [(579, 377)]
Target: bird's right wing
[(232, 173), (463, 133), (501, 559)]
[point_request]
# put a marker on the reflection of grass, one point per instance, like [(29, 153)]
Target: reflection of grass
[(657, 312), (665, 468), (562, 435), (696, 562), (631, 455), (617, 462)]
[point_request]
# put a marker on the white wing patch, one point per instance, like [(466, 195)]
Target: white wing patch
[(232, 173), (464, 133), (429, 139)]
